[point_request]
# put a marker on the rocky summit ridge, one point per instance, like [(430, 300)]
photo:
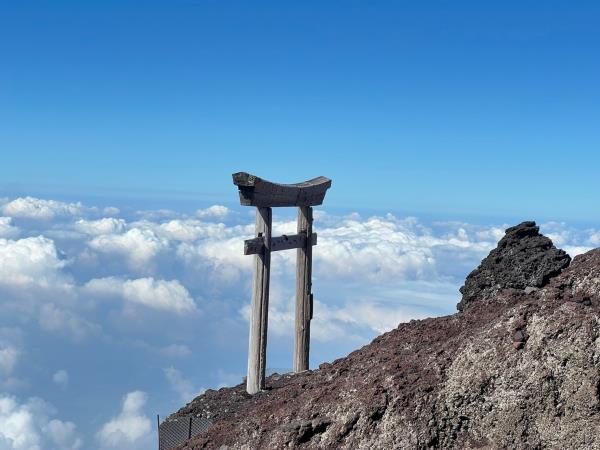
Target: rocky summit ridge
[(523, 259), (517, 368)]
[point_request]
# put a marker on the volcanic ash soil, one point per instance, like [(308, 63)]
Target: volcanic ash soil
[(517, 368)]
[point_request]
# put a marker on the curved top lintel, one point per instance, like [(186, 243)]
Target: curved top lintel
[(255, 191)]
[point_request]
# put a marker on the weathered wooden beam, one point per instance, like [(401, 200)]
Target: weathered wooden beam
[(303, 292), (256, 245), (257, 351), (254, 191)]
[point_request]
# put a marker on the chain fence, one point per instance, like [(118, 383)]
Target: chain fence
[(174, 432)]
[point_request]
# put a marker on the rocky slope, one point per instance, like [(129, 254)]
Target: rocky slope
[(518, 368)]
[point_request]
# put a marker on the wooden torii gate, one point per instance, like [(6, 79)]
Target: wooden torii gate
[(263, 194)]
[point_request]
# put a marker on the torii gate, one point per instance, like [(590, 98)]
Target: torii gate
[(263, 194)]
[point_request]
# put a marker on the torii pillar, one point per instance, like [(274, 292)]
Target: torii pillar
[(263, 194)]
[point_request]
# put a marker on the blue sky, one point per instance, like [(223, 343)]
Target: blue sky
[(450, 107), (122, 279)]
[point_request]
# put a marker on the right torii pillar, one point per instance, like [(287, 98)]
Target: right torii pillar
[(265, 195), (304, 297)]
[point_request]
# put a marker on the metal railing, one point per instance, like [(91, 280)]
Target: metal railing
[(175, 431)]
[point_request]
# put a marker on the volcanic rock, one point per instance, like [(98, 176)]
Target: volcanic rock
[(512, 371), (524, 259)]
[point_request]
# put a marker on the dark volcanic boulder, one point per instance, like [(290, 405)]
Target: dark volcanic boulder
[(523, 259)]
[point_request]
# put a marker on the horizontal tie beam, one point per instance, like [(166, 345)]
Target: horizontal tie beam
[(255, 246)]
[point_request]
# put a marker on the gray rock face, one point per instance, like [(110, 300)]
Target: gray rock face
[(524, 259)]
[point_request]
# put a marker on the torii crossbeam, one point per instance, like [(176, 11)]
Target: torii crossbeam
[(263, 194)]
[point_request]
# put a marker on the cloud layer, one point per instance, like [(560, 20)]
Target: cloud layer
[(156, 304), (164, 295), (130, 428), (30, 426)]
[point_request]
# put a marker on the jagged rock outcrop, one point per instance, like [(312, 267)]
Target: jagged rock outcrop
[(514, 370), (523, 259)]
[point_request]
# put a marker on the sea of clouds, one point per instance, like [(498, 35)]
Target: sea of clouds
[(107, 318)]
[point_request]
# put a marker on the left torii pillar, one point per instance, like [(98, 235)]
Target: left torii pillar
[(263, 194), (257, 355)]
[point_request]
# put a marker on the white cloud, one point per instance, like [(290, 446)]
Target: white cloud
[(191, 230), (156, 294), (493, 234), (169, 351), (574, 250), (354, 312), (35, 208), (181, 230), (222, 260), (594, 238), (181, 385), (7, 230), (110, 211), (28, 426), (188, 230), (328, 324), (130, 427), (61, 378), (386, 249), (107, 225), (226, 379), (59, 320), (572, 240), (138, 246), (215, 211), (157, 214), (176, 351), (31, 261), (377, 249), (62, 434), (9, 356), (378, 316), (10, 353)]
